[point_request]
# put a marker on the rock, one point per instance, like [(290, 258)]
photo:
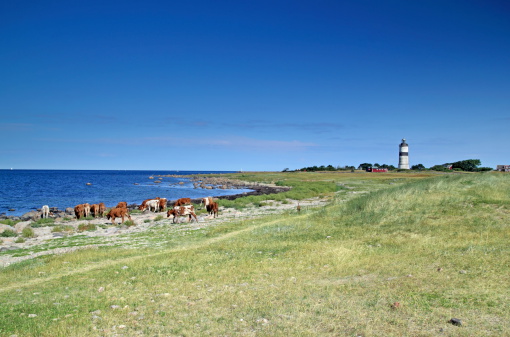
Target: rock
[(69, 211), (6, 249), (455, 321), (463, 272), (20, 226), (5, 227), (32, 215)]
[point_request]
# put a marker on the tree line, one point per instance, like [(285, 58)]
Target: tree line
[(468, 165)]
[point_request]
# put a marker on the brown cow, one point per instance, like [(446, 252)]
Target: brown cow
[(182, 201), (86, 209), (121, 204), (118, 213), (79, 211), (94, 209), (102, 209), (206, 201), (162, 204), (178, 211), (212, 209)]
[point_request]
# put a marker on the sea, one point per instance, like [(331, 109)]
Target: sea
[(22, 191)]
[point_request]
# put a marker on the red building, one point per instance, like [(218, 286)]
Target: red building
[(376, 169)]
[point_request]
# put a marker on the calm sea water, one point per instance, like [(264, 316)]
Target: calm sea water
[(27, 190)]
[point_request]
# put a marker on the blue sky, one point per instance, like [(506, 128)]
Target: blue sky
[(252, 85)]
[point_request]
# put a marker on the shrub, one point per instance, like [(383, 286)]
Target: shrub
[(86, 227), (129, 223), (28, 232), (19, 240), (158, 218), (8, 233), (65, 228)]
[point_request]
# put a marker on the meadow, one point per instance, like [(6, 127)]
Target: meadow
[(390, 254)]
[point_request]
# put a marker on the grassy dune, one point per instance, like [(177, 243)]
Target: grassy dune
[(390, 255)]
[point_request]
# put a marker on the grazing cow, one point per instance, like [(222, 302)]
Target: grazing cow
[(162, 204), (86, 209), (121, 204), (102, 209), (118, 213), (79, 211), (178, 211), (153, 205), (212, 209), (45, 211), (182, 201), (94, 209), (143, 206)]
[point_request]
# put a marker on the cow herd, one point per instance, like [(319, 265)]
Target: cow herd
[(181, 207)]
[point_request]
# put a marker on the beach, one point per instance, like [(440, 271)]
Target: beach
[(47, 241)]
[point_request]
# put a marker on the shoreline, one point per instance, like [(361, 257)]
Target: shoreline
[(120, 234), (213, 182)]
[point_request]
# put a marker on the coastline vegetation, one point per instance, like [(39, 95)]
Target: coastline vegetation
[(392, 254)]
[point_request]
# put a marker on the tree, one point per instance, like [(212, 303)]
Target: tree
[(439, 168), (364, 166), (469, 165), (418, 167)]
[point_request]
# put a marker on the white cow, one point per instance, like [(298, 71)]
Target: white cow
[(45, 211), (153, 205)]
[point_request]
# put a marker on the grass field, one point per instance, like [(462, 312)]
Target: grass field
[(393, 254)]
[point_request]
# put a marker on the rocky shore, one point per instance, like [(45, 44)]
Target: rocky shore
[(101, 232), (209, 183)]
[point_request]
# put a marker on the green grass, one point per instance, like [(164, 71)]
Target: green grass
[(8, 233), (331, 271), (43, 222), (86, 227), (28, 232)]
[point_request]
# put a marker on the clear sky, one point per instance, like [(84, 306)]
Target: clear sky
[(252, 85)]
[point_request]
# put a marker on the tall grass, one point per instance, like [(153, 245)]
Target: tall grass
[(438, 247)]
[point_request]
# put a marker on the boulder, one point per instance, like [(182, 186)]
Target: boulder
[(20, 226), (5, 227), (69, 211), (32, 215)]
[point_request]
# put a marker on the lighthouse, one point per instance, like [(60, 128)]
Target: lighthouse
[(403, 155)]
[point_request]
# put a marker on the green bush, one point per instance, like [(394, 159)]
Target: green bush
[(129, 223), (8, 233), (28, 232), (86, 227), (19, 240)]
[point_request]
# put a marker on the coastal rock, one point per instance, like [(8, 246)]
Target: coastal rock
[(32, 215), (70, 211), (5, 227), (20, 226)]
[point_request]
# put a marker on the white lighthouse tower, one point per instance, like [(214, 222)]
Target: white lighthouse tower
[(403, 155)]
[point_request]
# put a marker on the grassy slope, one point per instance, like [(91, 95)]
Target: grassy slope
[(331, 272)]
